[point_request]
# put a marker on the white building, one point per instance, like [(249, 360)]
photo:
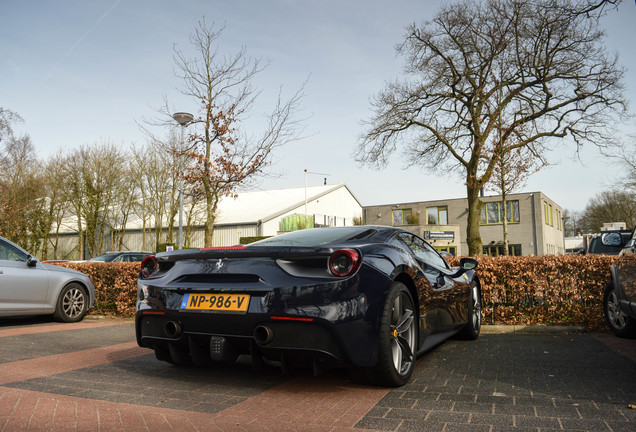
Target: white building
[(250, 214), (270, 212)]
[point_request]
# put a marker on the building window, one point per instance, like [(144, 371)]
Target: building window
[(402, 217), (558, 220), (437, 215), (492, 212), (548, 214), (497, 250)]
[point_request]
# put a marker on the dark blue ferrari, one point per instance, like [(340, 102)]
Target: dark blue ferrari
[(371, 298)]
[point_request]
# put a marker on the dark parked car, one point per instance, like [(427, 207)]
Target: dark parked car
[(372, 298), (121, 257), (619, 299), (598, 246), (29, 287)]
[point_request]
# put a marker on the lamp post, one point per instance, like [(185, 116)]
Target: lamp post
[(184, 120), (309, 172)]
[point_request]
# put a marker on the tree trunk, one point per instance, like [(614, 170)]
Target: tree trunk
[(505, 224), (209, 224), (504, 204), (474, 219)]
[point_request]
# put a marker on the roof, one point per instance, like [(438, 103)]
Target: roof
[(247, 208), (261, 206)]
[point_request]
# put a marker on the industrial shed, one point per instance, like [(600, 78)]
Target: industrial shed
[(249, 214), (270, 212)]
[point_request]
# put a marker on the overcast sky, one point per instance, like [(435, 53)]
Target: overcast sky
[(83, 72)]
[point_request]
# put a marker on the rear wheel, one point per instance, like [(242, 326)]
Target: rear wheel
[(621, 324), (397, 339), (72, 304)]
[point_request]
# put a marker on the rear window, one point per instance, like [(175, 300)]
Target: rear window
[(317, 237)]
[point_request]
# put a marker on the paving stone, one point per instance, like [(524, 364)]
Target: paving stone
[(407, 414), (376, 423), (501, 382), (417, 426)]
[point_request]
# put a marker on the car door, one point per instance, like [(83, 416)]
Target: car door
[(449, 296), (23, 288), (626, 272)]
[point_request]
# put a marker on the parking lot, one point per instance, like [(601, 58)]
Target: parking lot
[(92, 376)]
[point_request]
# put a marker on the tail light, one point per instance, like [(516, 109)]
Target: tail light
[(344, 262), (149, 266)]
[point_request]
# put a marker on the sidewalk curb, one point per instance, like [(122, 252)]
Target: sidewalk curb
[(530, 329)]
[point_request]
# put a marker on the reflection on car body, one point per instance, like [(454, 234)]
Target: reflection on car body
[(371, 298)]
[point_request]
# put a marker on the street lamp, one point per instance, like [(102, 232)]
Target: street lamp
[(309, 172), (184, 119)]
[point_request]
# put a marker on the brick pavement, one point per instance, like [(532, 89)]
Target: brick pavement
[(91, 376)]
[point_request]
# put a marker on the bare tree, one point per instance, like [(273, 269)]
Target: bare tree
[(157, 176), (56, 209), (7, 119), (572, 223), (535, 70), (224, 157), (22, 200), (608, 206), (93, 190), (593, 8)]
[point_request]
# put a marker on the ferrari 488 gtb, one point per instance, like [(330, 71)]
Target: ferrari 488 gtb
[(371, 298)]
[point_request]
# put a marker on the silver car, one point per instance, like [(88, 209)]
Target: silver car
[(28, 287)]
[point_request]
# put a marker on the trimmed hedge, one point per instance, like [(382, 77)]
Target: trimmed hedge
[(115, 286), (545, 290)]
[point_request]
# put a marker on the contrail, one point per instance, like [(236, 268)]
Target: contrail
[(75, 45)]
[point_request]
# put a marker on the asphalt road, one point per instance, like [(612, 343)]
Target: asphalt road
[(91, 376)]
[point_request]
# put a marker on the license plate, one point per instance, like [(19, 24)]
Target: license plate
[(216, 302)]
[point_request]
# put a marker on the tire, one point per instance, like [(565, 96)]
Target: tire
[(72, 304), (621, 324), (397, 339), (473, 327)]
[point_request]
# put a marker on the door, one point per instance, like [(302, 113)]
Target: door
[(626, 272), (448, 300), (23, 288)]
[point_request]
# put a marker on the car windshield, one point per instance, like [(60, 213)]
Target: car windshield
[(316, 236)]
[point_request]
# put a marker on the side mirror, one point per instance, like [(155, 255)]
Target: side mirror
[(611, 239), (31, 262), (465, 264), (468, 263)]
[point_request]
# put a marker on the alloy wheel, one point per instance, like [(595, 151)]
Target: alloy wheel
[(614, 313), (73, 303), (402, 333), (476, 316)]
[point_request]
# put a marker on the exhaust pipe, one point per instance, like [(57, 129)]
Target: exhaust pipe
[(263, 335), (172, 329)]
